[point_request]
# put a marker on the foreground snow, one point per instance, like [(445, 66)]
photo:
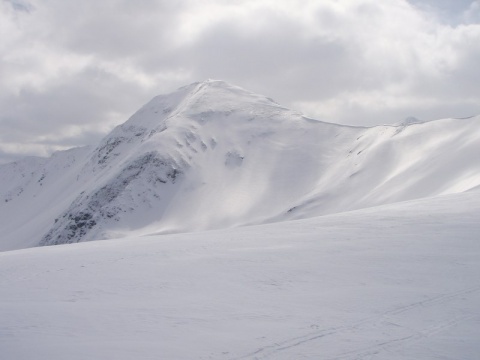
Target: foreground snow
[(393, 282)]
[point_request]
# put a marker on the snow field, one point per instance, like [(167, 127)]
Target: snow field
[(398, 281)]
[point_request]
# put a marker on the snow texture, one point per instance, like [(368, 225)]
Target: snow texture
[(397, 282)]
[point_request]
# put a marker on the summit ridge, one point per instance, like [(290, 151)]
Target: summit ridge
[(212, 155)]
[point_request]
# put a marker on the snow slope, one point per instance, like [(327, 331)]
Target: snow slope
[(212, 155), (393, 282)]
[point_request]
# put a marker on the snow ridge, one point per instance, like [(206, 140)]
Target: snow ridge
[(212, 155)]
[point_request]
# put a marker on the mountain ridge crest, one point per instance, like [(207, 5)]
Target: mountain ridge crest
[(213, 155)]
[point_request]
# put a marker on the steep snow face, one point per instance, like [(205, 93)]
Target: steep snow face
[(387, 164), (213, 155)]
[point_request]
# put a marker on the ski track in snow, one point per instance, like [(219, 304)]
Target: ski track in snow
[(381, 324), (397, 282)]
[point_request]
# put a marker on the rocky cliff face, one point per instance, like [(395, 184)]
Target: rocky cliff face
[(137, 186)]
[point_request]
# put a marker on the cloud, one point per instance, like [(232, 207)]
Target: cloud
[(72, 70), (445, 11), (19, 5), (472, 14)]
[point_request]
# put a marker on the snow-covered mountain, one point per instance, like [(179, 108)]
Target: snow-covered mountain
[(212, 155), (396, 281)]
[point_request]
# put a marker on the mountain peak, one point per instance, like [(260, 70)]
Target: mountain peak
[(217, 90), (216, 83), (213, 82), (212, 155), (196, 99)]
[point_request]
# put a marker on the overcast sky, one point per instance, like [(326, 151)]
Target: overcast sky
[(72, 70)]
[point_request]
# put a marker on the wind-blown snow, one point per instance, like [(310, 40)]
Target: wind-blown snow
[(393, 282), (212, 155)]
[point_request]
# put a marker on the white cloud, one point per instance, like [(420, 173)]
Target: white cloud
[(87, 65)]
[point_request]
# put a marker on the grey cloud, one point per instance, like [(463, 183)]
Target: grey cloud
[(448, 11), (112, 28), (280, 60), (96, 62), (19, 5), (6, 157), (83, 99), (285, 62)]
